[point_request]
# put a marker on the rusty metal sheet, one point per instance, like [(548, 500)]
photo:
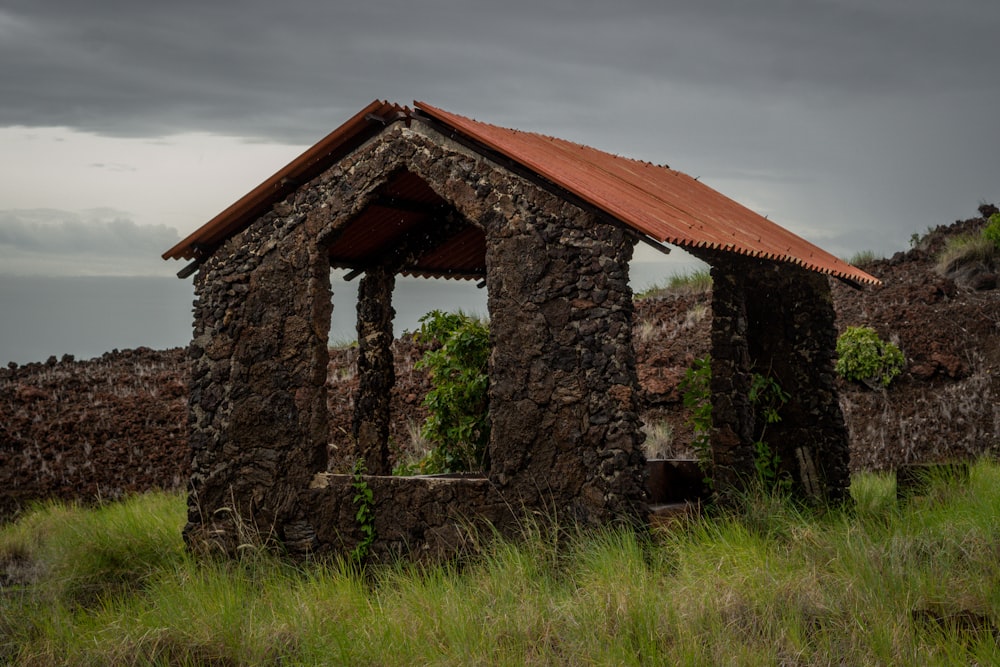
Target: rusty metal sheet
[(662, 203)]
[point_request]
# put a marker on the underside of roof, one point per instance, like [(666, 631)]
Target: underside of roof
[(658, 203)]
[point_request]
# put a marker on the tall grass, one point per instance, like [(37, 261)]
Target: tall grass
[(862, 258), (697, 281), (773, 583), (967, 249)]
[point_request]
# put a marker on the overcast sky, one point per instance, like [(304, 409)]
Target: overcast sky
[(124, 126)]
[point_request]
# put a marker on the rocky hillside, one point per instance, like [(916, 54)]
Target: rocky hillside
[(117, 424)]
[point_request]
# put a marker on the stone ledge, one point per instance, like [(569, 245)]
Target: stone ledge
[(424, 517)]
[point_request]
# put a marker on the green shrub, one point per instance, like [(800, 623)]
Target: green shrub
[(696, 394), (864, 357), (458, 402), (992, 230)]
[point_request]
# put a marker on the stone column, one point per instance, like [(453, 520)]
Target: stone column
[(565, 433), (777, 320), (376, 372), (258, 395), (732, 415), (792, 337)]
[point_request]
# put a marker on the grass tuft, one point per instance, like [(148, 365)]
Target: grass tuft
[(698, 281), (863, 258), (966, 249)]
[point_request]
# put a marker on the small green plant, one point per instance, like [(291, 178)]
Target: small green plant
[(696, 394), (364, 501), (767, 397), (991, 231), (918, 240), (458, 401), (864, 357)]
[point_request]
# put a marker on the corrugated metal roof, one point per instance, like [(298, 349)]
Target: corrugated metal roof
[(658, 202)]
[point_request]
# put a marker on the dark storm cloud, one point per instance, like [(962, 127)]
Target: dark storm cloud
[(291, 70), (853, 122)]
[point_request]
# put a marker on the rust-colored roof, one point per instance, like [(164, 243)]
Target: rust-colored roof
[(660, 203)]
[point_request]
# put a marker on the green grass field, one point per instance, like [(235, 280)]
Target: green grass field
[(772, 584)]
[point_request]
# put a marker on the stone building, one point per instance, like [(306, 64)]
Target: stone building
[(550, 227)]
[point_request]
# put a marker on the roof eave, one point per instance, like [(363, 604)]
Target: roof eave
[(255, 203)]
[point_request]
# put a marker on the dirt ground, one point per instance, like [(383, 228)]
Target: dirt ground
[(117, 424)]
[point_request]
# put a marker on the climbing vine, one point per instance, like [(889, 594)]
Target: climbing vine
[(364, 501), (767, 398)]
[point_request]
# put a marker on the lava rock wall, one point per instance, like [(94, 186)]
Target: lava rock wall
[(565, 432)]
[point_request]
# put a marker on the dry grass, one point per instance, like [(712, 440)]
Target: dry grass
[(937, 424), (698, 281), (659, 441), (966, 249)]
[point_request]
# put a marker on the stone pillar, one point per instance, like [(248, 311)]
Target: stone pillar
[(376, 372), (258, 394), (792, 337), (777, 320), (565, 436), (732, 415)]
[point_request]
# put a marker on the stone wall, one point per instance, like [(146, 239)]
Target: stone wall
[(424, 518), (258, 370), (565, 433)]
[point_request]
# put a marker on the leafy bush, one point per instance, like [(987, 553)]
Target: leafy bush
[(458, 424), (864, 357), (696, 394), (992, 230)]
